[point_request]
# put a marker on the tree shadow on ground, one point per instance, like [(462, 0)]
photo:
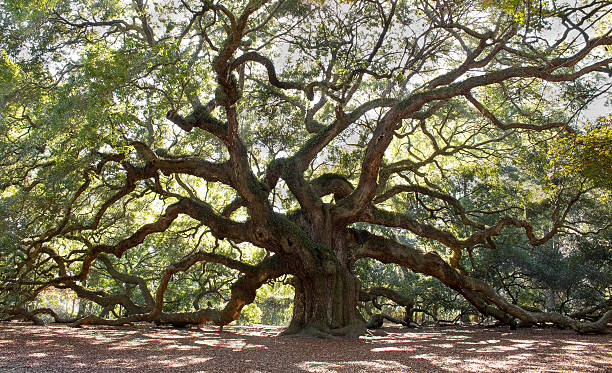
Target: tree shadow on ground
[(259, 348)]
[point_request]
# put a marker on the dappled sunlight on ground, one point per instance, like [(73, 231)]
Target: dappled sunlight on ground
[(259, 348)]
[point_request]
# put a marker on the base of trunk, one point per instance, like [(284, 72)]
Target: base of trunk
[(325, 306), (317, 331)]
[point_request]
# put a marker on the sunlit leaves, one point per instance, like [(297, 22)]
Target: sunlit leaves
[(587, 153), (27, 8), (523, 10)]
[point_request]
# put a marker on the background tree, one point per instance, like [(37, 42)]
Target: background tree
[(164, 160)]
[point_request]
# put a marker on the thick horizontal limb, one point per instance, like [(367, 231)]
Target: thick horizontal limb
[(210, 171), (390, 251), (393, 219), (243, 292), (371, 294)]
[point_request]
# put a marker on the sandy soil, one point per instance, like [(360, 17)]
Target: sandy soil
[(143, 348)]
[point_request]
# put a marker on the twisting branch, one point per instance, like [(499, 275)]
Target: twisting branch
[(480, 294), (353, 205), (242, 293), (368, 295), (506, 126), (378, 216), (272, 77), (187, 165), (453, 202)]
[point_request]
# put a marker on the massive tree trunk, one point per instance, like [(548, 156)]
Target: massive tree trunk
[(326, 289), (325, 304)]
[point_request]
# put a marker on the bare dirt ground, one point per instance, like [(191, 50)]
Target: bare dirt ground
[(144, 348)]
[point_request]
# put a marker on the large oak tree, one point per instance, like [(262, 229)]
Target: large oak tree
[(195, 130)]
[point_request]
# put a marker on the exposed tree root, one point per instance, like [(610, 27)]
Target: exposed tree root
[(22, 313), (377, 321), (317, 331)]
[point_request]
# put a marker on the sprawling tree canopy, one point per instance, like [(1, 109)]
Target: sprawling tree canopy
[(173, 157)]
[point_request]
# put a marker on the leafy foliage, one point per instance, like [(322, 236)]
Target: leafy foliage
[(587, 153), (185, 163)]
